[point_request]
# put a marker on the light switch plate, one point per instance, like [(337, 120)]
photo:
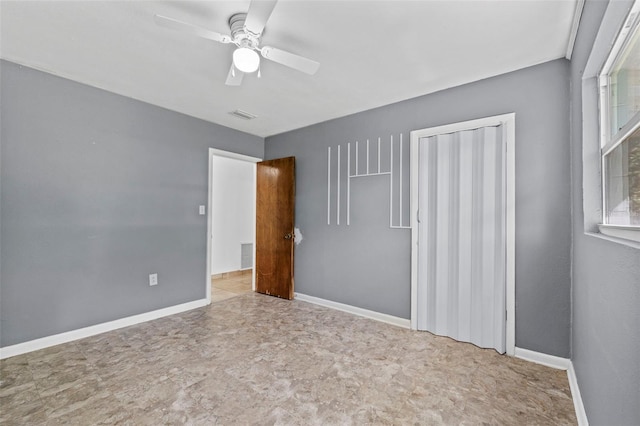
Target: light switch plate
[(202, 210)]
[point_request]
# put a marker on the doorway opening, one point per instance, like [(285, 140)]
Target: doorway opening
[(231, 221)]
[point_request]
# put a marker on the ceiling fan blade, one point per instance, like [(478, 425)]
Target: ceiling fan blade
[(234, 78), (291, 60), (174, 24), (258, 15)]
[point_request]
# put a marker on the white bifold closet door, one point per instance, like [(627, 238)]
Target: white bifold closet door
[(462, 238)]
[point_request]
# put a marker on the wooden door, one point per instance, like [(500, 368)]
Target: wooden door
[(275, 200)]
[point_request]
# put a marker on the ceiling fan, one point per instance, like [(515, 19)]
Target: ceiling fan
[(246, 30)]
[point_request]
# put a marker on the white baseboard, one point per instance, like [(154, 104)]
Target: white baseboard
[(544, 359), (81, 333), (389, 319), (581, 414), (560, 364)]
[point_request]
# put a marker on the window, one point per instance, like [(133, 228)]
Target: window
[(620, 132)]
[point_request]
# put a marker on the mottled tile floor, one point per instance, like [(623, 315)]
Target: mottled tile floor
[(255, 359)]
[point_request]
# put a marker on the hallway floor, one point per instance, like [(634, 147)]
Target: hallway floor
[(230, 284), (257, 359)]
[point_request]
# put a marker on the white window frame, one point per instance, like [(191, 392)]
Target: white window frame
[(610, 142)]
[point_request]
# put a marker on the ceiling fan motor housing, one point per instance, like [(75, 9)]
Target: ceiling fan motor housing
[(240, 35)]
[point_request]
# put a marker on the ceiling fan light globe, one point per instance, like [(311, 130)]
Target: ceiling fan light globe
[(246, 60)]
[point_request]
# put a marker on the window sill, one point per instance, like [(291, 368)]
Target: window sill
[(629, 235)]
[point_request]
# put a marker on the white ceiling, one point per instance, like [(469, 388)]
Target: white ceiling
[(372, 53)]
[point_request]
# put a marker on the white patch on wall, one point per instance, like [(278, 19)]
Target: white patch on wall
[(363, 159), (297, 236)]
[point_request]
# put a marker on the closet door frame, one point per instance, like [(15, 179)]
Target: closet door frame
[(508, 121)]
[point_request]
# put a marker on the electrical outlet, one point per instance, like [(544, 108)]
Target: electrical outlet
[(201, 210), (153, 279)]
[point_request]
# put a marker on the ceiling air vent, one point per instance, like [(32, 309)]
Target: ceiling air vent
[(243, 114)]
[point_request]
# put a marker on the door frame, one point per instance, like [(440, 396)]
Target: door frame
[(213, 152), (508, 121)]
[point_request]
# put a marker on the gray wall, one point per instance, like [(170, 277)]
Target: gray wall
[(98, 191), (368, 265), (606, 275)]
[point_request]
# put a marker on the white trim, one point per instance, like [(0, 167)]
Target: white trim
[(370, 174), (367, 173), (349, 180), (508, 120), (391, 181), (560, 364), (581, 414), (414, 165), (400, 183), (479, 123), (338, 186), (631, 233), (377, 316), (207, 285), (328, 185), (255, 212), (622, 135), (621, 40), (81, 333), (234, 155), (510, 295), (575, 24), (226, 154), (543, 359)]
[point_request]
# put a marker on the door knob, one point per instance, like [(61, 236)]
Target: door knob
[(288, 236)]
